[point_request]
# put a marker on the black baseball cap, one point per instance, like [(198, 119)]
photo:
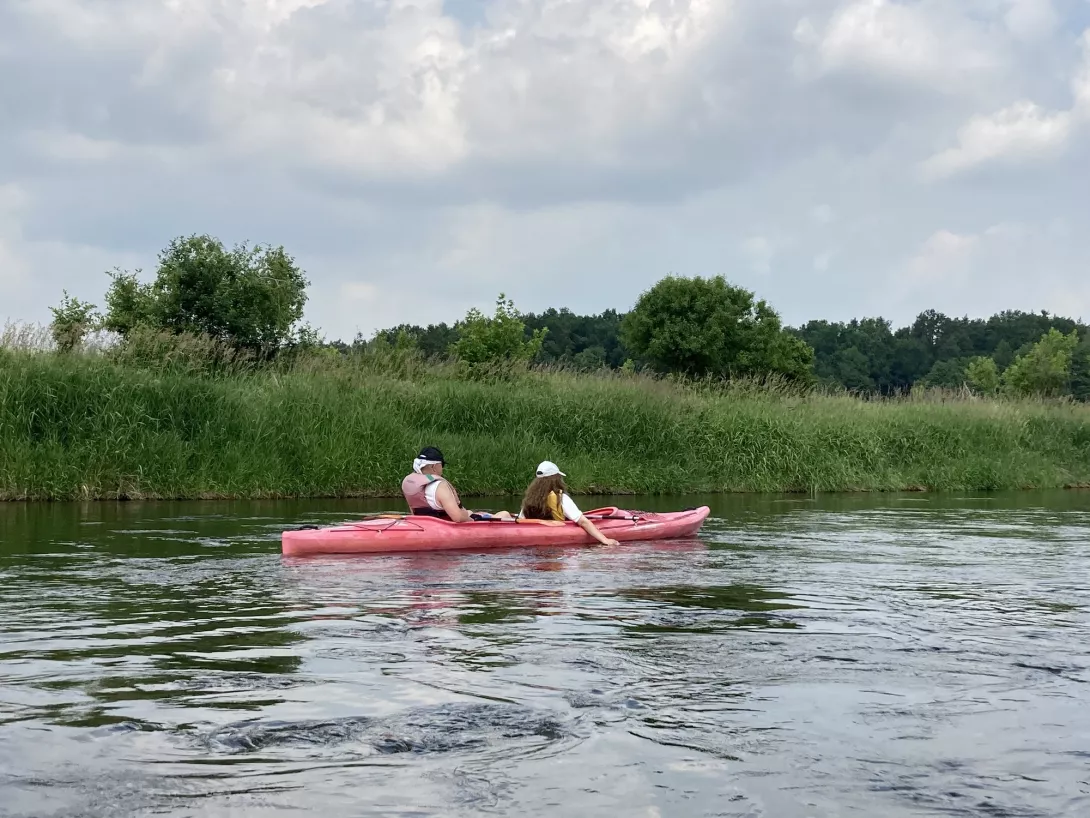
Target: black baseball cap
[(433, 454)]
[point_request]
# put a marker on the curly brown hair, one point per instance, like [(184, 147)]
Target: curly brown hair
[(535, 505)]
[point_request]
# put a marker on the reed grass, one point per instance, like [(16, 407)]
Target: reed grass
[(143, 422)]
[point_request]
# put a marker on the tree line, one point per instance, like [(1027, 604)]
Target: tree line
[(252, 299), (1025, 352), (937, 350)]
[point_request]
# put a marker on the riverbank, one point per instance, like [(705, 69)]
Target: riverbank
[(92, 427)]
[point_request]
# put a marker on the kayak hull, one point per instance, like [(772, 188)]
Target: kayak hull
[(414, 534)]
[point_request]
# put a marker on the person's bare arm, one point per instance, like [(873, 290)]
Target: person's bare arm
[(444, 495), (592, 529)]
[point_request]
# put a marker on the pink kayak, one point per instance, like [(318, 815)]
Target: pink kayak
[(393, 533)]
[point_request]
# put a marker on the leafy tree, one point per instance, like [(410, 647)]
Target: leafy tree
[(500, 339), (983, 375), (930, 327), (590, 359), (1020, 329), (433, 341), (865, 355), (909, 362), (948, 374), (896, 363), (128, 303), (699, 326), (851, 368), (72, 320), (250, 297), (1080, 370), (1003, 355), (859, 355), (570, 335), (1046, 368)]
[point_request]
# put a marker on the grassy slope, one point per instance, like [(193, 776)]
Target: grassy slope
[(83, 427)]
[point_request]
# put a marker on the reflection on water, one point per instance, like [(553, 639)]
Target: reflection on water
[(805, 658)]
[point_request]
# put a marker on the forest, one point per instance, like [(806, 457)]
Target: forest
[(865, 356)]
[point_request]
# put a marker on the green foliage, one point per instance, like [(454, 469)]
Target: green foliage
[(570, 340), (1003, 355), (590, 359), (946, 374), (1080, 370), (433, 341), (72, 320), (500, 340), (856, 355), (698, 326), (983, 375), (249, 297), (306, 337), (865, 356), (128, 303), (1046, 369), (579, 339), (897, 360), (851, 368)]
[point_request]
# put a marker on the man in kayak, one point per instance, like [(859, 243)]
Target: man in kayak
[(430, 494), (547, 500)]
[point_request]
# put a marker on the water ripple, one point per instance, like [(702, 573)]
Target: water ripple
[(807, 658)]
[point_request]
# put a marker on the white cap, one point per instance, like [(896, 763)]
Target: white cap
[(547, 469)]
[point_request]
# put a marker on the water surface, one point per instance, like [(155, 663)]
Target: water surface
[(805, 658)]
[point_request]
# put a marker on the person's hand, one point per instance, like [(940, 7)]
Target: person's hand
[(611, 542)]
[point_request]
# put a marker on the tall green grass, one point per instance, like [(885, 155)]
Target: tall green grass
[(132, 424)]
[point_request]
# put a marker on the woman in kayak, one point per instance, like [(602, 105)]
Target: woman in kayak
[(547, 501), (428, 493)]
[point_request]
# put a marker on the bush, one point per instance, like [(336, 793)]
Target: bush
[(250, 298), (946, 374), (983, 375), (72, 320), (493, 343), (1046, 369), (698, 327), (1080, 371)]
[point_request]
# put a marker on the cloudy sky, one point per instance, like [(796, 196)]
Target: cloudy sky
[(840, 157)]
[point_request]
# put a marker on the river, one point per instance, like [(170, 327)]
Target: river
[(805, 658)]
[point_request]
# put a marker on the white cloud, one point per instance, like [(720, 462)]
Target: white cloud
[(924, 42), (1031, 19), (822, 214), (1007, 265), (944, 254), (1022, 131), (567, 152), (393, 88), (759, 250), (1019, 133), (1080, 85)]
